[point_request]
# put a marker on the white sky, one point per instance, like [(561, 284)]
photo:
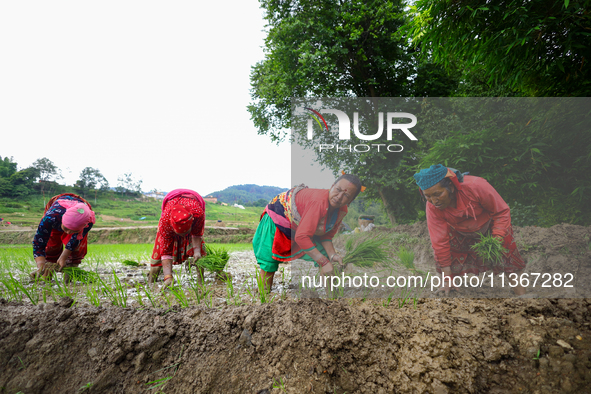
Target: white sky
[(158, 89)]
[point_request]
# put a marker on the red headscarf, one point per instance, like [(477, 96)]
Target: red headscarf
[(180, 219)]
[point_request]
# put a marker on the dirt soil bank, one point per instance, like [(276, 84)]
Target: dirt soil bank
[(133, 235), (312, 345)]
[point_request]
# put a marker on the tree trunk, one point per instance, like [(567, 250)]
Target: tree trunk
[(387, 207)]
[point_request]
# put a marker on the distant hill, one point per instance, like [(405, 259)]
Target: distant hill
[(246, 194)]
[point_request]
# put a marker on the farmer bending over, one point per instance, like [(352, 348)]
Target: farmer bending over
[(66, 221), (461, 208), (180, 233), (300, 222)]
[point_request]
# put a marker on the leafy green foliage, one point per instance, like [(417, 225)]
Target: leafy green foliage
[(541, 47)]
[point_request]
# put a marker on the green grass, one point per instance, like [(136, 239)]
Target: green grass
[(110, 208)]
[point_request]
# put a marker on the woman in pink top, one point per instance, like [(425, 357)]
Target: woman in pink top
[(460, 209)]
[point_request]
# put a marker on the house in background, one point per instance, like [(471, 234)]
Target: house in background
[(156, 195), (211, 199)]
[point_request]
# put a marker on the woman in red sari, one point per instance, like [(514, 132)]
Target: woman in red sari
[(180, 233), (460, 208)]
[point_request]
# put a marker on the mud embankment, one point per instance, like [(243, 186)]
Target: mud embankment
[(132, 235), (313, 345)]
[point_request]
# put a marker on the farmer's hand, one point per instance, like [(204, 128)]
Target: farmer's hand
[(328, 269)]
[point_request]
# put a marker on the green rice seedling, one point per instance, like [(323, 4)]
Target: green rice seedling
[(490, 250), (387, 301), (12, 290), (160, 383), (215, 260), (365, 253), (92, 294), (120, 291), (404, 297), (87, 386), (139, 297), (116, 294), (148, 294), (64, 290), (407, 258), (31, 293), (262, 294), (131, 263), (179, 293), (80, 275), (278, 384), (231, 296)]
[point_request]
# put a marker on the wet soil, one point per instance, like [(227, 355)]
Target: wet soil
[(312, 345), (439, 345)]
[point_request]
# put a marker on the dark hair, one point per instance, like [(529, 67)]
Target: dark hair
[(354, 179)]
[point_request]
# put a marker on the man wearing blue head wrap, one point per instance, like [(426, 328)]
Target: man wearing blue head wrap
[(460, 208)]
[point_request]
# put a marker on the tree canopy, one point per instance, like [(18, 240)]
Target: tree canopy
[(540, 47), (333, 49)]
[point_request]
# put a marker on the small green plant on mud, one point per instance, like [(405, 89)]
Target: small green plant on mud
[(231, 296), (116, 294), (490, 250), (160, 383), (131, 263), (261, 292), (537, 356), (179, 293), (365, 253), (278, 384), (87, 386), (92, 294)]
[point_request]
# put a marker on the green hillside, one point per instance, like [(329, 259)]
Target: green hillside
[(253, 195)]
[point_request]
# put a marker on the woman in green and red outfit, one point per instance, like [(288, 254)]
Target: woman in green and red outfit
[(303, 221), (180, 233)]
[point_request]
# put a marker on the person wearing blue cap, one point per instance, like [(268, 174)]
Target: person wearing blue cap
[(459, 209)]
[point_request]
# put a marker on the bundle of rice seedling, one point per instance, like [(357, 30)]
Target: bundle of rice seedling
[(490, 250), (131, 263), (78, 274), (366, 253), (215, 260), (407, 258)]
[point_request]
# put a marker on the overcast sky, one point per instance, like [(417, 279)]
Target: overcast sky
[(157, 89)]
